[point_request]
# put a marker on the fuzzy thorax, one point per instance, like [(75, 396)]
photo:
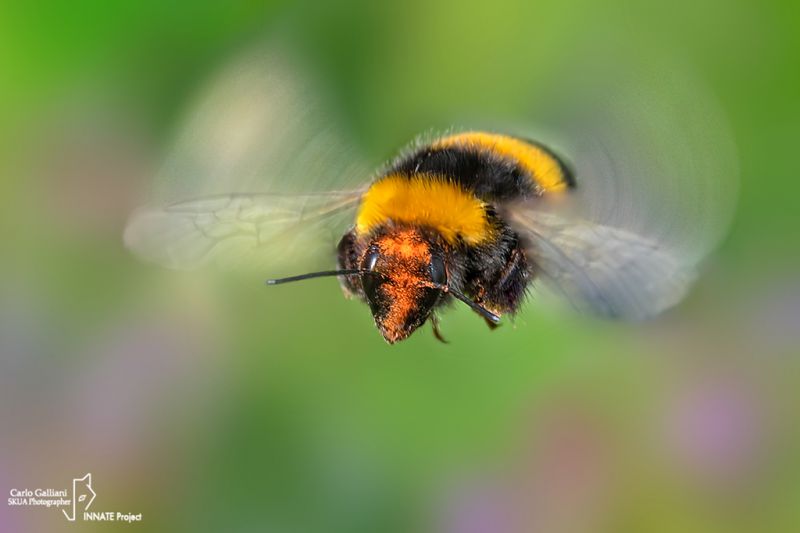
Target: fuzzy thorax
[(429, 201)]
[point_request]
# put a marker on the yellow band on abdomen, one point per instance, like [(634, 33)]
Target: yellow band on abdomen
[(543, 167)]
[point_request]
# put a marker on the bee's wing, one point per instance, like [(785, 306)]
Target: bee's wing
[(601, 269), (234, 187), (656, 181), (241, 231)]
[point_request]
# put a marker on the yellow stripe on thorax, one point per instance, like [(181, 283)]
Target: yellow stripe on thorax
[(542, 166), (431, 201)]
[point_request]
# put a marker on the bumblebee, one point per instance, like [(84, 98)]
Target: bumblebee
[(432, 227), (474, 216)]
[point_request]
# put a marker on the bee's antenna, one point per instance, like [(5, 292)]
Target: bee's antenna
[(344, 272), (475, 306)]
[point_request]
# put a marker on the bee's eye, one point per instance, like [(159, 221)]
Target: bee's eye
[(438, 272), (371, 259)]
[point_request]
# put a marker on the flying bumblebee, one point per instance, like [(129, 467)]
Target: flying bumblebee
[(475, 216)]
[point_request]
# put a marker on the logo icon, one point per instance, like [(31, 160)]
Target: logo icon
[(82, 496)]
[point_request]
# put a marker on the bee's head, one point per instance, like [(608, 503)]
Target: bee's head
[(404, 276)]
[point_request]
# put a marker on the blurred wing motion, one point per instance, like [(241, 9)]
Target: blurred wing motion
[(656, 175), (256, 130), (604, 270), (251, 230)]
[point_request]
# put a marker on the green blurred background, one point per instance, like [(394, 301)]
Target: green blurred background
[(207, 406)]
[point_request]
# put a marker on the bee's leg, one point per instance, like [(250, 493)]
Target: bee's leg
[(502, 289), (514, 276), (436, 332)]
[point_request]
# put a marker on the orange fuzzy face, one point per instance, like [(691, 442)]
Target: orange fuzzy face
[(405, 271)]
